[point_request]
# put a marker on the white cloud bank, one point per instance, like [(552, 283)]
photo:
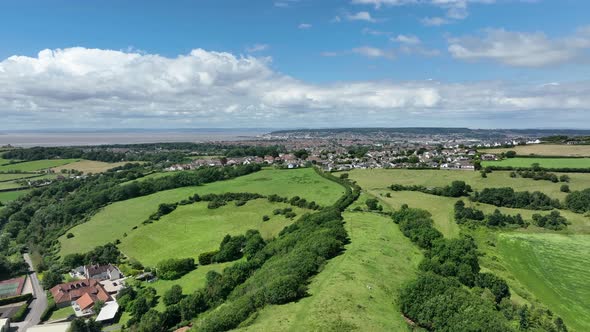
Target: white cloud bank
[(522, 48), (105, 88)]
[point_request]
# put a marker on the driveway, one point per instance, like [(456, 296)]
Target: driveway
[(39, 303)]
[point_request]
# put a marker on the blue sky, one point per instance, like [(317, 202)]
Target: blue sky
[(477, 63)]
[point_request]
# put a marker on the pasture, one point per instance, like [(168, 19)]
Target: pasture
[(37, 165), (543, 162), (382, 178), (89, 166), (8, 196), (193, 229), (545, 150), (114, 220), (356, 290), (555, 268)]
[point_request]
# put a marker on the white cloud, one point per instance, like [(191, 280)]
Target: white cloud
[(304, 26), (105, 88), (257, 48), (361, 16), (434, 21), (521, 48), (407, 39), (373, 52), (368, 31)]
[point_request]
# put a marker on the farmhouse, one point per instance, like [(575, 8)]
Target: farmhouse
[(102, 272), (65, 294)]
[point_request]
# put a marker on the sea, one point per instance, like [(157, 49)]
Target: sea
[(85, 137)]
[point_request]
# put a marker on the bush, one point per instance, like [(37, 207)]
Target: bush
[(173, 295), (69, 235), (578, 201), (265, 218), (21, 313), (564, 188), (206, 258), (173, 268)]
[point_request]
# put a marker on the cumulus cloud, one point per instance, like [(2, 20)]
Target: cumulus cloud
[(521, 48), (107, 88)]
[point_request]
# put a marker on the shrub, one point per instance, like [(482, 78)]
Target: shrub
[(206, 258), (172, 268), (265, 218), (564, 188), (70, 235)]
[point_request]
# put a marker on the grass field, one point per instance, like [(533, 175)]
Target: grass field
[(4, 161), (11, 195), (112, 221), (89, 166), (546, 150), (356, 290), (8, 176), (36, 165), (543, 162), (193, 229), (555, 268), (10, 185), (382, 178)]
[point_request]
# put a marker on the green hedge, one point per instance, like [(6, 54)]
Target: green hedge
[(21, 313), (14, 299), (51, 307)]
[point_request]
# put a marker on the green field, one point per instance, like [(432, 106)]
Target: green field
[(112, 221), (526, 258), (36, 165), (193, 229), (382, 178), (556, 269), (62, 313), (4, 161), (545, 150), (8, 176), (356, 290), (89, 166), (543, 162), (11, 195)]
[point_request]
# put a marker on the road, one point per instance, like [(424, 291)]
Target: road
[(38, 305)]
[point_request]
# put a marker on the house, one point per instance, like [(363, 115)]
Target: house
[(66, 293), (113, 287), (84, 306), (488, 156), (102, 272)]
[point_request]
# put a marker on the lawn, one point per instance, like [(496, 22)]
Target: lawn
[(15, 176), (10, 185), (4, 161), (555, 268), (356, 290), (382, 178), (112, 221), (36, 165), (89, 166), (193, 229), (61, 313), (543, 162), (546, 150)]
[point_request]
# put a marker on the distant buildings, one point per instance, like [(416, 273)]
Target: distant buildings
[(89, 290)]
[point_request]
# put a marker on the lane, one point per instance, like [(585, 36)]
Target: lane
[(39, 303)]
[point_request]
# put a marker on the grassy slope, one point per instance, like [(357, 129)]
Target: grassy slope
[(356, 290), (36, 165), (381, 178), (89, 166), (193, 229), (546, 150), (112, 221), (525, 264), (555, 268), (543, 162)]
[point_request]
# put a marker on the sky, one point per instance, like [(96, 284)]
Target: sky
[(294, 63)]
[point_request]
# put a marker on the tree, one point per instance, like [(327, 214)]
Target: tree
[(373, 204), (564, 178), (140, 307), (51, 278), (510, 154), (564, 188), (173, 295), (80, 325), (151, 321)]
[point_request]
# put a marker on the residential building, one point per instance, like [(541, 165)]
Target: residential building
[(65, 294)]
